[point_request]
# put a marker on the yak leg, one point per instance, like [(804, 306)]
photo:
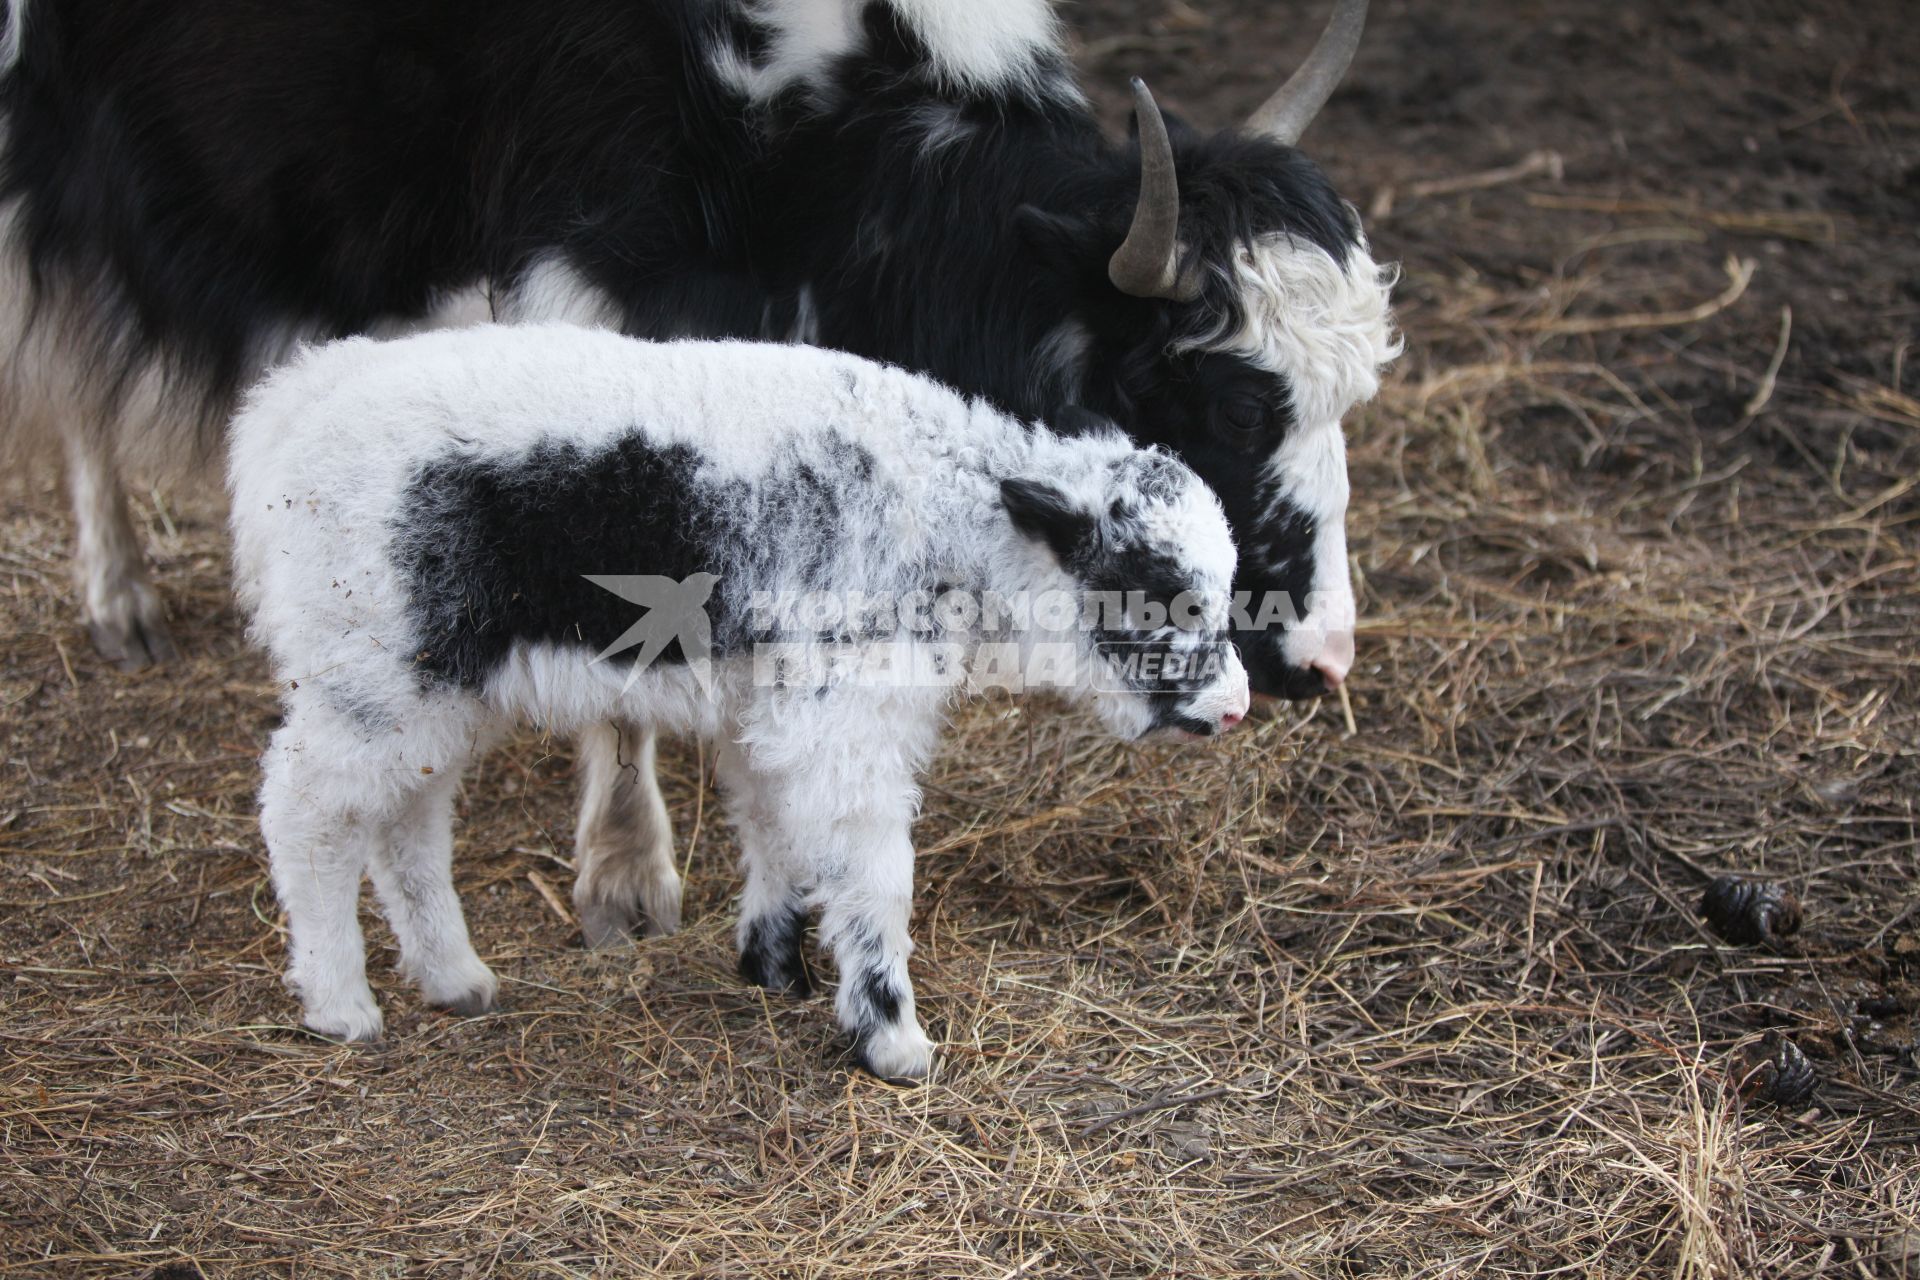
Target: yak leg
[(125, 615), (625, 881), (805, 840), (864, 917)]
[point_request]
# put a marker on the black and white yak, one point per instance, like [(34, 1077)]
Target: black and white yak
[(413, 522), (190, 188)]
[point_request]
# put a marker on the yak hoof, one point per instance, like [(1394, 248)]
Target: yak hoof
[(133, 644)]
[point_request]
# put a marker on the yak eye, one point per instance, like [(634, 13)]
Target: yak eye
[(1242, 420)]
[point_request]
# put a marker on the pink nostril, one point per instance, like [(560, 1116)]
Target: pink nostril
[(1231, 719), (1335, 659)]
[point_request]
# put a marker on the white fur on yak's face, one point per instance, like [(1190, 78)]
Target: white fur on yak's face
[(1251, 389), (1326, 327), (15, 13)]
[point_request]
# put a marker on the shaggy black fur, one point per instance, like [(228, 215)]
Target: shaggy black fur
[(198, 175), (495, 550)]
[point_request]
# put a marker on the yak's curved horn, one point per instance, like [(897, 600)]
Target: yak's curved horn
[(1286, 115), (1147, 263)]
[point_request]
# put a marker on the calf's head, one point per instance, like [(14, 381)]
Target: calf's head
[(1143, 552)]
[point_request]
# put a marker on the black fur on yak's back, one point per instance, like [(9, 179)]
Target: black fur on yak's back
[(207, 174), (204, 174), (493, 548)]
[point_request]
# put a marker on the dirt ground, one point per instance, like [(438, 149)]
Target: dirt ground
[(1412, 985)]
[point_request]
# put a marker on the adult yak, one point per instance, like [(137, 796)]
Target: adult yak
[(189, 188)]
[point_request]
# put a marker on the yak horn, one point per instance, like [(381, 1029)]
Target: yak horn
[(1286, 115), (1147, 263)]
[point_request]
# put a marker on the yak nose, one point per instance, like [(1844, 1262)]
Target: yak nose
[(1335, 659)]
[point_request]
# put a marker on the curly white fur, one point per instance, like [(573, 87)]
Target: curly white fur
[(819, 776)]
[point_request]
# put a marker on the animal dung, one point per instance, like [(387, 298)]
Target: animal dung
[(1746, 912), (1901, 1254), (1773, 1069)]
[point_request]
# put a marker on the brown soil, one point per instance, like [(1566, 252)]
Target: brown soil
[(1426, 996)]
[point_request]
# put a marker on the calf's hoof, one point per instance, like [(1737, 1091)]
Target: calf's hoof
[(471, 1004), (467, 993), (898, 1055), (353, 1020), (660, 903), (605, 925), (782, 976)]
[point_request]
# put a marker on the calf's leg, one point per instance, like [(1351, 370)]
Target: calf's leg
[(771, 934), (413, 876), (867, 902), (823, 794), (772, 931), (319, 842), (800, 847), (625, 881), (833, 832)]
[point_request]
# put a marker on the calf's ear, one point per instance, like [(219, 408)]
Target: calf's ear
[(1048, 516)]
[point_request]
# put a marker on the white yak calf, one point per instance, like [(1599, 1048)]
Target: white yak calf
[(443, 536)]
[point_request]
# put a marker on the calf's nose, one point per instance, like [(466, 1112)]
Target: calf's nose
[(1242, 703)]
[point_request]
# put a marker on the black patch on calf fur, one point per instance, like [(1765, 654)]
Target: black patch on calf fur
[(494, 549), (774, 957), (1048, 516), (878, 995)]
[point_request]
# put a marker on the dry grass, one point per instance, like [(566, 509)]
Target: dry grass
[(1427, 998), (1423, 998)]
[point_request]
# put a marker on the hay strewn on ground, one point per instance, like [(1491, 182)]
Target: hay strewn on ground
[(1410, 985)]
